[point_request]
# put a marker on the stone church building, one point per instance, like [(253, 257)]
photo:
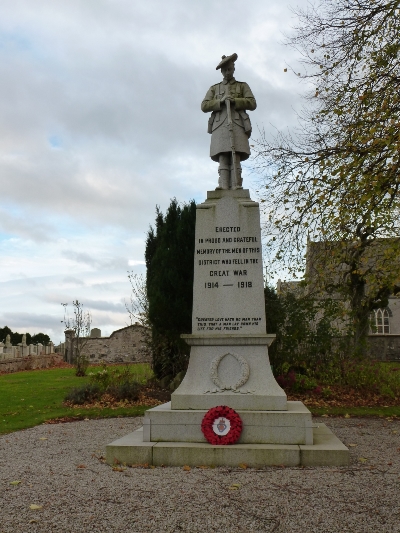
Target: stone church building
[(384, 336)]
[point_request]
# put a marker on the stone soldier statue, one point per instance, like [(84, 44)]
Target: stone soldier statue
[(230, 138)]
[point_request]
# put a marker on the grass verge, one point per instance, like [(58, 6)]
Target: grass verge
[(33, 397)]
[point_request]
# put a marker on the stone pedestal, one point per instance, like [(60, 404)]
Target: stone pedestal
[(229, 362), (231, 370)]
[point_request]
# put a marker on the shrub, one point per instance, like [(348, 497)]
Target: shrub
[(297, 382), (128, 390), (382, 378), (304, 383), (326, 392), (109, 375), (102, 378), (305, 328), (84, 394), (120, 384)]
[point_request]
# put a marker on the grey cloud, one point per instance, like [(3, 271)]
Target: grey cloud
[(31, 320), (73, 281), (20, 281), (104, 305), (79, 257), (25, 226), (108, 287), (95, 261)]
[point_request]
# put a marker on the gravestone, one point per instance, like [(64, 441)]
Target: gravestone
[(8, 345), (95, 333), (229, 364)]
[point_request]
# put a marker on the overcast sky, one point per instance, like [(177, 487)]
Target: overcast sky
[(100, 121)]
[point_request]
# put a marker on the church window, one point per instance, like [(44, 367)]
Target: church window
[(380, 322)]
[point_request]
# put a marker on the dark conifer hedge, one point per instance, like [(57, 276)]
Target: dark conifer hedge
[(169, 261), (16, 338)]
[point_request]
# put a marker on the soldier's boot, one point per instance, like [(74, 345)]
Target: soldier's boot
[(223, 181), (223, 171), (239, 179)]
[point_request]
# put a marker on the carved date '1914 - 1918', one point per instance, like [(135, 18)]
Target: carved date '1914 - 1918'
[(240, 284)]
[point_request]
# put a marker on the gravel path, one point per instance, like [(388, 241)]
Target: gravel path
[(59, 469)]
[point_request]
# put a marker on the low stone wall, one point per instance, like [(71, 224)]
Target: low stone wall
[(32, 362), (124, 345), (384, 347)]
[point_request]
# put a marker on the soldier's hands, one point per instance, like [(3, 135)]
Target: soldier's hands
[(227, 97)]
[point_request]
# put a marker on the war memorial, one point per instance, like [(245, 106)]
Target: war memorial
[(229, 409)]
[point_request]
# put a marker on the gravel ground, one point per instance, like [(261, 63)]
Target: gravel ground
[(58, 467)]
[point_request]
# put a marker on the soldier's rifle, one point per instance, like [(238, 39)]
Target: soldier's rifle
[(230, 128)]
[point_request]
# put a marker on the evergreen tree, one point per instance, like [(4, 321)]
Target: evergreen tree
[(170, 261), (4, 332), (39, 338), (16, 338), (274, 313)]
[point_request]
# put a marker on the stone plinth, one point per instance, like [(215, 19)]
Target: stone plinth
[(219, 364), (327, 450), (292, 426)]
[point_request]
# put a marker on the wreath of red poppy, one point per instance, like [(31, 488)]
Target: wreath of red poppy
[(221, 425)]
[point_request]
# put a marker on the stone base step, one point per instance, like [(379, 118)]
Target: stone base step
[(327, 450), (292, 426)]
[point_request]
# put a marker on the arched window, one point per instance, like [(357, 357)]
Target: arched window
[(380, 322)]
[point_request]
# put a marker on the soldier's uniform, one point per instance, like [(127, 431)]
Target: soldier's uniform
[(221, 148)]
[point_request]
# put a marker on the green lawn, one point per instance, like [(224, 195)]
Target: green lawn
[(30, 398)]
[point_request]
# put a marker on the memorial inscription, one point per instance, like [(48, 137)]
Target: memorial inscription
[(225, 324), (228, 268), (241, 257)]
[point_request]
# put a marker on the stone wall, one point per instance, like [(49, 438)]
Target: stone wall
[(384, 347), (123, 345), (31, 362), (394, 320)]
